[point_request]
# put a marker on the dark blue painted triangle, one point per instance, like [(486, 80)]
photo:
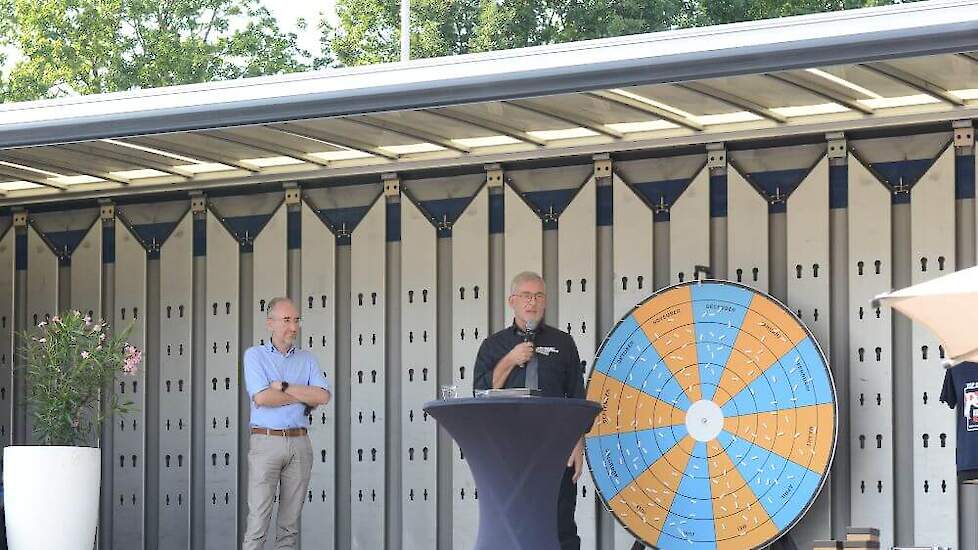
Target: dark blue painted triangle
[(778, 185), (443, 213), (900, 176), (153, 235), (661, 195), (64, 243), (245, 228), (550, 204), (342, 221)]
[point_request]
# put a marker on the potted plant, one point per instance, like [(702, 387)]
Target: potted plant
[(67, 362)]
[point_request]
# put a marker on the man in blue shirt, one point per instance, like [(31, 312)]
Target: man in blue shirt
[(284, 383)]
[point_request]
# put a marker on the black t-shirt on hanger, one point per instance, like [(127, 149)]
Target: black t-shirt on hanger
[(961, 393)]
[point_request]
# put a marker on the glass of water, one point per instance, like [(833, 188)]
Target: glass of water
[(449, 391)]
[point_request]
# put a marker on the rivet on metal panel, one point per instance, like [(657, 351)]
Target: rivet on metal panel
[(836, 145), (716, 155), (392, 184), (964, 133), (494, 175), (20, 219)]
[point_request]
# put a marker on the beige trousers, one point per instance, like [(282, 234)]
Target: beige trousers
[(283, 465)]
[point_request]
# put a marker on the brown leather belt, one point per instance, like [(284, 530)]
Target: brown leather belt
[(290, 432)]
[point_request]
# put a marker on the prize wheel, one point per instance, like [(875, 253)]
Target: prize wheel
[(718, 423)]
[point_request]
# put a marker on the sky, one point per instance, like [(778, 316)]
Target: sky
[(288, 11)]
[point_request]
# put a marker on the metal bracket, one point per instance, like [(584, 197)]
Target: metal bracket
[(293, 195), (494, 175), (392, 184), (964, 133), (837, 146), (20, 219), (602, 165), (198, 202), (716, 155)]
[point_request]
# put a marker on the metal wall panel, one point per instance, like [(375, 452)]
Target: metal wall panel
[(523, 244), (130, 430), (808, 252), (6, 334), (689, 229), (576, 269), (419, 305), (42, 280), (269, 270), (871, 363), (633, 268), (932, 253), (86, 273), (221, 395), (368, 380), (271, 263), (470, 320), (633, 259), (808, 296), (319, 337), (176, 307), (747, 233)]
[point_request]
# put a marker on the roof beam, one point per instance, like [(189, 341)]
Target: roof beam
[(487, 124), (646, 108), (408, 131), (329, 138), (265, 146), (19, 174), (54, 166), (569, 118), (93, 149), (909, 79), (733, 100), (821, 91), (170, 147)]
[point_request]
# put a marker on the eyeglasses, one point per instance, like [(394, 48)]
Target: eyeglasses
[(527, 297), (290, 320)]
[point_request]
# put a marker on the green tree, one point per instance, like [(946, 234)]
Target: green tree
[(368, 31), (92, 46)]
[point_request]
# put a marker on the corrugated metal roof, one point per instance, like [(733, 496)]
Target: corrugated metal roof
[(896, 65)]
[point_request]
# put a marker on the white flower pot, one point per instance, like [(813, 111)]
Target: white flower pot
[(51, 496)]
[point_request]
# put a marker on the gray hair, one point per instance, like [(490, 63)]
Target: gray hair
[(276, 301), (525, 277)]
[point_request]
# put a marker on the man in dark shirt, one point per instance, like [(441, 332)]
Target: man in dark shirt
[(960, 392), (543, 358)]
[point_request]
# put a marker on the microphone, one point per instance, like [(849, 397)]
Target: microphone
[(529, 335)]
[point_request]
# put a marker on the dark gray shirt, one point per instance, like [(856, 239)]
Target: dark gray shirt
[(560, 371)]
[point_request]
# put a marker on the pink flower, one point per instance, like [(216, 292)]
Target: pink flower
[(101, 337), (84, 355), (88, 321), (97, 327), (132, 357), (55, 319)]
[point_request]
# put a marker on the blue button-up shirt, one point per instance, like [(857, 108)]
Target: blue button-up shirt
[(264, 365)]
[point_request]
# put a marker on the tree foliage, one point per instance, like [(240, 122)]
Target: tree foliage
[(92, 46), (369, 30)]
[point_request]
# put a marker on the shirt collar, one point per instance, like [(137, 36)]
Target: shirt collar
[(270, 348), (519, 332)]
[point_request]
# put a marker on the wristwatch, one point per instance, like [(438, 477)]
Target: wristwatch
[(285, 385)]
